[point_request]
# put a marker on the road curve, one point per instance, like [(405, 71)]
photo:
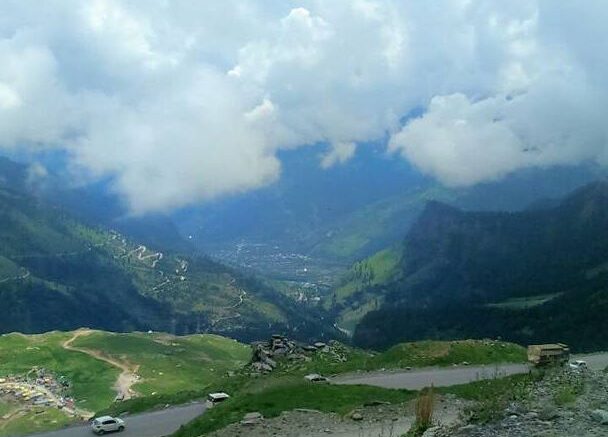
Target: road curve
[(154, 424), (443, 377), (439, 377)]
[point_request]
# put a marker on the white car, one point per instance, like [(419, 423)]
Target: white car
[(578, 365), (105, 424)]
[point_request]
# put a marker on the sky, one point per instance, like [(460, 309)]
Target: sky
[(181, 102)]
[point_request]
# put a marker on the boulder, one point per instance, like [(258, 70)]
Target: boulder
[(600, 416), (252, 419), (270, 362), (531, 415), (356, 416)]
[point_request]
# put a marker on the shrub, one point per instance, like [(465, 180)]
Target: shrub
[(425, 405)]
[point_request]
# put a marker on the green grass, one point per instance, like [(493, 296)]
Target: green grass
[(568, 393), (492, 396), (271, 396), (91, 379), (376, 269), (177, 369), (350, 293), (445, 353), (171, 364), (419, 354), (383, 220), (37, 420), (523, 303), (5, 408), (284, 392)]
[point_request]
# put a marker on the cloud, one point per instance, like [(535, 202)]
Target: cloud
[(338, 154), (181, 102)]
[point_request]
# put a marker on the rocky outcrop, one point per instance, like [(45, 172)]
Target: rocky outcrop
[(267, 355)]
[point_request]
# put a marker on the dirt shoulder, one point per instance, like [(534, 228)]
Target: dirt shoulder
[(373, 421)]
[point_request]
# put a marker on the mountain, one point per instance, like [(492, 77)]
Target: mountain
[(534, 275), (323, 220), (57, 272)]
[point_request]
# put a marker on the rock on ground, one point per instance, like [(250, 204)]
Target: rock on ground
[(373, 421), (542, 414)]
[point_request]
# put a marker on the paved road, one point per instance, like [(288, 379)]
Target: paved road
[(155, 424), (439, 377), (443, 377), (164, 422), (597, 361)]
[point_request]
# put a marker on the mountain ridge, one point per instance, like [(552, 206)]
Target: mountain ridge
[(459, 267), (59, 273)]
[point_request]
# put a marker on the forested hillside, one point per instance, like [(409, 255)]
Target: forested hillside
[(537, 275), (57, 273)]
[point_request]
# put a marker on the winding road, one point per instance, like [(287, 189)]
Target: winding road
[(417, 379), (439, 377), (154, 424), (165, 422)]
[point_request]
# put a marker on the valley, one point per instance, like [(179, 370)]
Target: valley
[(71, 266), (122, 326), (303, 218), (463, 274)]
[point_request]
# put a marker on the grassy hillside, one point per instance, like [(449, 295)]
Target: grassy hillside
[(445, 353), (169, 364), (165, 364), (376, 225), (286, 388), (91, 380), (351, 300), (271, 396), (418, 354)]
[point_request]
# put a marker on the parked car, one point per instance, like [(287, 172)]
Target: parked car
[(578, 365), (106, 424)]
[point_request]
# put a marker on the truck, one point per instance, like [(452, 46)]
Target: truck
[(555, 354)]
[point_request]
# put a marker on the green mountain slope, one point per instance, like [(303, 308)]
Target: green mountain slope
[(56, 273), (536, 275), (350, 300)]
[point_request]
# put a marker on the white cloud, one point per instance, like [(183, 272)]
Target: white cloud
[(184, 101), (461, 142), (338, 154)]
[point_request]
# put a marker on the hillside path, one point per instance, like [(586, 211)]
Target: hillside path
[(128, 375)]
